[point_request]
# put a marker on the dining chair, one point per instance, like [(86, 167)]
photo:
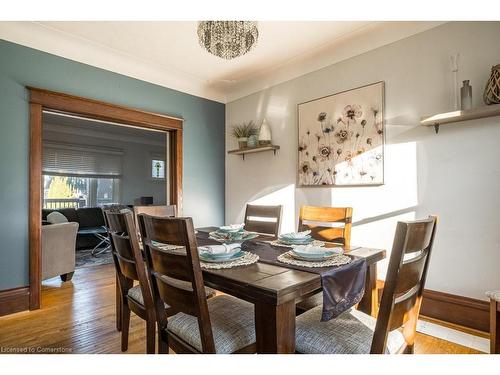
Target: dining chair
[(319, 221), (263, 219), (494, 297), (393, 331), (118, 304), (166, 210), (209, 292), (222, 324), (130, 268)]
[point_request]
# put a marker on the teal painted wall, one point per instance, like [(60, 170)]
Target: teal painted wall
[(21, 66)]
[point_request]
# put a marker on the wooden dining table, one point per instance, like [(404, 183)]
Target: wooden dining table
[(275, 290)]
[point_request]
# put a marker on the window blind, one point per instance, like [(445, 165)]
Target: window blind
[(81, 161)]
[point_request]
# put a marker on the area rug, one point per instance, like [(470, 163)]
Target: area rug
[(84, 258)]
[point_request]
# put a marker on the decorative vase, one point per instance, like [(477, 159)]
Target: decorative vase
[(492, 90), (466, 96), (454, 69), (265, 133), (242, 142), (253, 141)]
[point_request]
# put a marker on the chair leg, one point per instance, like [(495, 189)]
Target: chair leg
[(150, 336), (118, 305), (125, 326), (162, 341), (67, 276)]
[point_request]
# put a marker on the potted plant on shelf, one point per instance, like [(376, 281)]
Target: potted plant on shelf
[(243, 131)]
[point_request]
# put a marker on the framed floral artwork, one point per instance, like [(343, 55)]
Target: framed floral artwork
[(341, 138)]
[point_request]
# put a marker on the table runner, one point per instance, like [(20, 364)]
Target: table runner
[(343, 286)]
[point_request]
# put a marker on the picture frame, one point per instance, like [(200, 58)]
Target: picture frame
[(341, 138)]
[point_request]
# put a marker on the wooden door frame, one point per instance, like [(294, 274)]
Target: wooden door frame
[(40, 100)]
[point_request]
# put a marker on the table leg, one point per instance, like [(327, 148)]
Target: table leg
[(275, 327), (369, 302)]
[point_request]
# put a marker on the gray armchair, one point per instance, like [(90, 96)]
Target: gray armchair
[(58, 250)]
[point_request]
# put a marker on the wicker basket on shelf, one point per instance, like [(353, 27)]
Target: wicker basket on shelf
[(492, 91)]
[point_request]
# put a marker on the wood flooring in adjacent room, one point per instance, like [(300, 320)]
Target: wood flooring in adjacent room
[(79, 317)]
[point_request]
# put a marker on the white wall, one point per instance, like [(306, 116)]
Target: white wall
[(136, 181), (455, 174)]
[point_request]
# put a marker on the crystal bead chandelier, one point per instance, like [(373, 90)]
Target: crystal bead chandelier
[(228, 39)]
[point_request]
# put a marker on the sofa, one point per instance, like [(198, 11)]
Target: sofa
[(58, 250), (87, 218)]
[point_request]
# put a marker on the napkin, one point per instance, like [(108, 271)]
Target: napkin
[(296, 235), (219, 249), (232, 227)]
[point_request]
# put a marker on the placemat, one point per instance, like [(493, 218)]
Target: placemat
[(168, 248), (245, 260), (337, 260)]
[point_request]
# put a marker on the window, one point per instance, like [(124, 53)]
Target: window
[(105, 191), (75, 176), (158, 169), (61, 191), (65, 191)]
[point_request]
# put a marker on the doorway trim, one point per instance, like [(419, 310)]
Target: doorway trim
[(41, 100)]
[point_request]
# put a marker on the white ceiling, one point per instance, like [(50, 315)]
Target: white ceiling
[(167, 53)]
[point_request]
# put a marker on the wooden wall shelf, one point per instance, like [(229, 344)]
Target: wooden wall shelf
[(252, 150), (458, 116)]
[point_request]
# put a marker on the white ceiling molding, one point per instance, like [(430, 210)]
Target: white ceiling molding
[(162, 58)]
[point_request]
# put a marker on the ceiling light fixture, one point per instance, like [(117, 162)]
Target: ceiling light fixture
[(228, 39)]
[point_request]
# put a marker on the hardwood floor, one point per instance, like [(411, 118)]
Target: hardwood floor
[(78, 317)]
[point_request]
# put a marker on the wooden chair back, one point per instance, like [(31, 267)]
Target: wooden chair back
[(311, 218), (405, 281), (263, 219), (161, 211), (175, 275), (127, 255)]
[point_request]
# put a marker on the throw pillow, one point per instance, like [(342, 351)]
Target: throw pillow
[(56, 218)]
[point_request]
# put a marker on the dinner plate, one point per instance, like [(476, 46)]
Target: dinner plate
[(210, 259), (312, 257), (231, 229), (312, 250), (297, 235), (296, 242)]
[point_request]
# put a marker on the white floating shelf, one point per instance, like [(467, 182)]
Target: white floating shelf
[(458, 116), (251, 150)]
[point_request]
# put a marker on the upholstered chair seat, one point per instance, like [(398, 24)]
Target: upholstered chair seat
[(136, 294), (349, 333), (232, 322), (494, 295)]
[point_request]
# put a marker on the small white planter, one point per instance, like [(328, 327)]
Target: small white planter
[(243, 142)]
